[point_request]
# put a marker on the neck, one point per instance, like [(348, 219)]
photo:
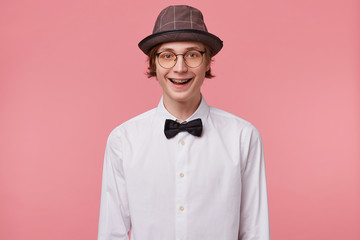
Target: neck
[(181, 110)]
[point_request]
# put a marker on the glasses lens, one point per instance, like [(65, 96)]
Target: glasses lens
[(193, 58), (167, 59)]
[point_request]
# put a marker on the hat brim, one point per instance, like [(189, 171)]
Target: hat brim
[(209, 39)]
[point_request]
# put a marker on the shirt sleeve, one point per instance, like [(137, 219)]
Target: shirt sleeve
[(254, 216), (114, 220)]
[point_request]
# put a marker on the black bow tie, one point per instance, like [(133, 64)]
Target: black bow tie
[(172, 128)]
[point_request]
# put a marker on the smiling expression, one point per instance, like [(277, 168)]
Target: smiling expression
[(181, 84)]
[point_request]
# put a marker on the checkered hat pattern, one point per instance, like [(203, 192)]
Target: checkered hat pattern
[(175, 18)]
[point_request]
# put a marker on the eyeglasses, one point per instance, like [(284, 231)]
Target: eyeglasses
[(168, 59)]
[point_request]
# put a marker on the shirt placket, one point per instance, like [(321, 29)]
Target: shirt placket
[(181, 186)]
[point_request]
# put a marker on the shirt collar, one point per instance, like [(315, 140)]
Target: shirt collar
[(201, 112)]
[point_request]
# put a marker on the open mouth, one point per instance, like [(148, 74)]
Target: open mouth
[(180, 81)]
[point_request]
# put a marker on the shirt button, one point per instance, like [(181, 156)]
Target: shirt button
[(182, 142), (181, 175), (181, 208)]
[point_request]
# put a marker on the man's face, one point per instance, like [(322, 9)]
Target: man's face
[(181, 84)]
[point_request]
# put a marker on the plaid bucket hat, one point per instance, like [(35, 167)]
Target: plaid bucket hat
[(180, 23)]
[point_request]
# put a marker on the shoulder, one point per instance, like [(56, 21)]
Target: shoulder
[(223, 117), (229, 122), (134, 124)]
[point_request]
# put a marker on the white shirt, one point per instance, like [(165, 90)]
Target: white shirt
[(211, 187)]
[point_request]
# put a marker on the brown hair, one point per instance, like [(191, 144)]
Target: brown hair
[(152, 64)]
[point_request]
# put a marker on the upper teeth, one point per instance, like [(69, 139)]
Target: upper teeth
[(180, 80)]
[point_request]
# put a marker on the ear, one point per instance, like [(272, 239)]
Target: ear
[(207, 67)]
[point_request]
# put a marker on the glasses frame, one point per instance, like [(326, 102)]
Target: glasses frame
[(183, 55)]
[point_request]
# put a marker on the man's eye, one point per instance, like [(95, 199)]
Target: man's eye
[(192, 55), (167, 56)]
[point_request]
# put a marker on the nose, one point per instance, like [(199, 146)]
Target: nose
[(180, 65)]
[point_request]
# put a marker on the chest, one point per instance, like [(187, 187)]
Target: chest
[(201, 165)]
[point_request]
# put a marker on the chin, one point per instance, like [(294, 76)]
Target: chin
[(184, 98)]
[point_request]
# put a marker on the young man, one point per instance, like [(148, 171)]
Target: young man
[(183, 170)]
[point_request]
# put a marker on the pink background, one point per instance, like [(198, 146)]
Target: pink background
[(70, 71)]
